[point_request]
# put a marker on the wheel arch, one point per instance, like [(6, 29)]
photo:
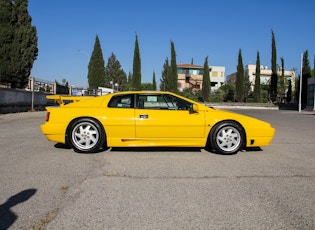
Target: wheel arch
[(223, 121), (79, 118)]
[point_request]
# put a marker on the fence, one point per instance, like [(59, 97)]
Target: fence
[(32, 97)]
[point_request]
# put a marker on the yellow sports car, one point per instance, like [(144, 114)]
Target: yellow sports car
[(145, 119)]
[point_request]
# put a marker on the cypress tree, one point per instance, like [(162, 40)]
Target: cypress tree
[(306, 74), (129, 81), (136, 75), (164, 77), (247, 85), (96, 72), (206, 83), (154, 82), (289, 93), (18, 42), (274, 74), (281, 88), (257, 88), (239, 84), (173, 77), (6, 39)]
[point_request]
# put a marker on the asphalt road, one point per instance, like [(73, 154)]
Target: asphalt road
[(47, 186)]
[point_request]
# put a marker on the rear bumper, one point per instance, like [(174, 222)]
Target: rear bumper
[(54, 132)]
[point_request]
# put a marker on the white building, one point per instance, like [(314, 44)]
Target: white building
[(191, 76), (265, 75)]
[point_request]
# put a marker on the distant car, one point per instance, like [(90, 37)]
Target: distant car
[(150, 119)]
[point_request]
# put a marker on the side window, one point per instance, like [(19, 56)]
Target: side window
[(160, 101), (121, 101), (177, 103), (151, 101)]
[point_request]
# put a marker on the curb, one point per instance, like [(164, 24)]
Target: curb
[(243, 107)]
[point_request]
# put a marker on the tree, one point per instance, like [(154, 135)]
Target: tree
[(228, 90), (129, 77), (164, 77), (257, 88), (147, 86), (239, 84), (154, 82), (114, 74), (173, 76), (129, 81), (6, 39), (136, 75), (18, 43), (306, 74), (96, 72), (281, 85), (274, 74), (247, 85), (188, 93), (206, 84), (289, 93)]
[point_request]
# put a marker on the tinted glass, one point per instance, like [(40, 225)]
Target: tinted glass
[(121, 101)]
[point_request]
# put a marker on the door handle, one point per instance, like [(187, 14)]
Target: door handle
[(144, 116)]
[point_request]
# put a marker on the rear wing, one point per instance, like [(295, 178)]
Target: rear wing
[(63, 100)]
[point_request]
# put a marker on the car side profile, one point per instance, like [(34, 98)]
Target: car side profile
[(150, 119)]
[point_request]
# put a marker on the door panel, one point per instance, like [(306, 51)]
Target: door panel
[(119, 123), (157, 123), (119, 119)]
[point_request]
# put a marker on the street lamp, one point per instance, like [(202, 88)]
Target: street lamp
[(88, 56), (85, 53), (114, 85)]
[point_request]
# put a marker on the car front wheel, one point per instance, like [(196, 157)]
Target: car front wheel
[(227, 138), (86, 136)]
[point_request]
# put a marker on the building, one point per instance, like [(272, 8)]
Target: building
[(191, 76), (265, 75)]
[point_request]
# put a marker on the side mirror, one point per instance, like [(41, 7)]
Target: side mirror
[(194, 108)]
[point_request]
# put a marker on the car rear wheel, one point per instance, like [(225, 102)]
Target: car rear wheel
[(86, 136), (227, 138)]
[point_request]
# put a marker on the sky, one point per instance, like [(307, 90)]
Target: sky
[(216, 29)]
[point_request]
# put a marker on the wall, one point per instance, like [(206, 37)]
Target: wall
[(13, 100), (310, 94)]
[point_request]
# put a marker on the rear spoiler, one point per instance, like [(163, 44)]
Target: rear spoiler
[(63, 100)]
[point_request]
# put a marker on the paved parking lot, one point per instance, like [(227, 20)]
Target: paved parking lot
[(44, 185)]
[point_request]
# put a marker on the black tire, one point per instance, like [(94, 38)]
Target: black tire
[(86, 135), (227, 138)]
